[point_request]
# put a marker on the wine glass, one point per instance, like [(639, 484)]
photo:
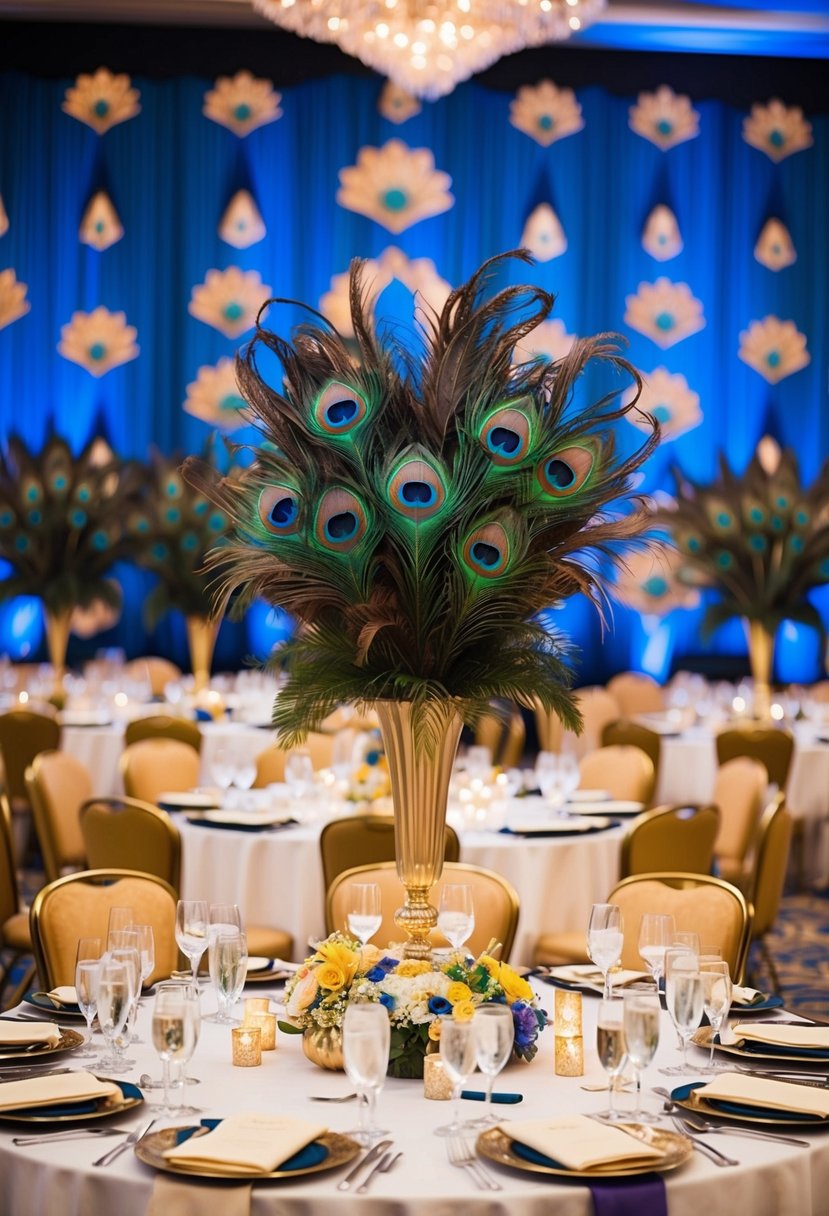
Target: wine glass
[(228, 963), (87, 959), (494, 1037), (146, 949), (547, 775), (366, 1042), (191, 931), (684, 993), (640, 1025), (299, 778), (656, 932), (244, 775), (456, 914), (224, 918), (364, 915), (610, 1044), (458, 1051), (127, 951), (172, 1028), (115, 995), (605, 939), (688, 939), (221, 769), (716, 986), (119, 918)]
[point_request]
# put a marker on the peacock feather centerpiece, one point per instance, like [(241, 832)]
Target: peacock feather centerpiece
[(415, 509)]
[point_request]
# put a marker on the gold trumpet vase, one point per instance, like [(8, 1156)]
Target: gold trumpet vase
[(57, 641), (761, 656), (420, 767), (201, 638)]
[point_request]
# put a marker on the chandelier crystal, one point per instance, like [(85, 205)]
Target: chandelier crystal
[(428, 46)]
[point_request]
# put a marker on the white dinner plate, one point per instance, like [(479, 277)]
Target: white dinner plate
[(190, 800), (613, 806), (553, 827), (589, 796)]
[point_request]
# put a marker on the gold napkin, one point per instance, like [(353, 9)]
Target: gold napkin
[(64, 995), (247, 1143), (23, 1034), (783, 1035), (173, 1198), (588, 975), (52, 1091), (744, 996), (760, 1091), (580, 1143)]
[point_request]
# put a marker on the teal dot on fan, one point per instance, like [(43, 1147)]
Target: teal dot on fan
[(59, 483), (33, 493), (200, 506), (776, 523), (782, 503), (97, 351), (159, 551), (6, 519), (662, 413), (655, 586), (546, 122), (142, 525), (189, 542), (756, 515), (232, 403), (724, 560), (796, 544), (21, 543), (101, 108), (83, 494), (395, 199), (776, 138), (172, 488), (233, 311), (824, 567), (773, 358), (99, 227), (801, 518), (100, 541), (665, 126), (242, 112), (693, 544), (664, 321), (757, 543)]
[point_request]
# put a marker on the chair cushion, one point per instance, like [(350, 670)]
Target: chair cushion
[(561, 948), (14, 932), (269, 943)]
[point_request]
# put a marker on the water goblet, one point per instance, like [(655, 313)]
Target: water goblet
[(364, 910), (146, 949), (456, 914), (688, 939), (547, 775), (610, 1044), (366, 1042), (656, 932), (224, 918), (87, 959), (684, 993), (221, 769), (716, 985), (119, 918), (173, 1035), (191, 931), (299, 778), (458, 1051), (640, 1025), (494, 1038), (115, 996), (228, 964), (128, 952), (605, 939)]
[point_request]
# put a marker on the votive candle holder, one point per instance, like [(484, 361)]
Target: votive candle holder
[(247, 1046)]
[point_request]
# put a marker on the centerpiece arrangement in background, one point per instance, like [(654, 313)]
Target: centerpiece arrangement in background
[(761, 541), (415, 510), (63, 525)]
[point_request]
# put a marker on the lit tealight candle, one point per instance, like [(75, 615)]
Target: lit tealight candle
[(569, 1045), (247, 1046)]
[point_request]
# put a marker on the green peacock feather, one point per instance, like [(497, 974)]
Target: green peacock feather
[(415, 515), (761, 540), (63, 521)]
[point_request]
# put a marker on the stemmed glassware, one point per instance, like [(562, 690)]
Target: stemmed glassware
[(458, 1051), (173, 1034), (366, 1042), (119, 918), (192, 930), (224, 918), (456, 914), (656, 932), (221, 769), (547, 775), (494, 1037), (610, 1044), (641, 1036), (228, 963), (717, 991), (123, 948), (299, 778), (115, 996), (605, 939), (364, 910), (684, 999), (146, 949), (87, 960)]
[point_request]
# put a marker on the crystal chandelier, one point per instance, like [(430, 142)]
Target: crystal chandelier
[(428, 46)]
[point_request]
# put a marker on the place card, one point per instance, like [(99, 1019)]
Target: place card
[(579, 1143), (247, 1143)]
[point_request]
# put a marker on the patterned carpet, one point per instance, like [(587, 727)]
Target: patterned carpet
[(799, 946)]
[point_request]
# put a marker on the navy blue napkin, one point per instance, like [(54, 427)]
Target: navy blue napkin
[(612, 1196), (89, 1107), (478, 1095), (741, 1109), (313, 1153)]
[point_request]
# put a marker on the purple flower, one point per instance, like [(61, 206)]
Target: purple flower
[(525, 1024)]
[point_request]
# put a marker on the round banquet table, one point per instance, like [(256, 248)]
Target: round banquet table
[(276, 877), (59, 1180)]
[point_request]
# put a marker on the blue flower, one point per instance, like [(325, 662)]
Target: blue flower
[(388, 964), (387, 1000), (439, 1005), (376, 974)]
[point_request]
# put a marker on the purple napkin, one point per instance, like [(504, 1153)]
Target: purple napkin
[(643, 1195)]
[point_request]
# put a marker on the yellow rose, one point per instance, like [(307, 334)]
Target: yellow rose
[(458, 992), (331, 977), (463, 1011), (411, 967), (492, 965), (434, 1030), (346, 959), (515, 988)]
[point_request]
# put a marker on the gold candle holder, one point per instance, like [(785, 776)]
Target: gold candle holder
[(256, 1004), (247, 1046), (569, 1045), (265, 1023), (436, 1084)]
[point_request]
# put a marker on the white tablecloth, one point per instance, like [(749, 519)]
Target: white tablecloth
[(59, 1179)]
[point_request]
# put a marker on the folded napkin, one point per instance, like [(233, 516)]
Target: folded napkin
[(63, 995), (247, 1143), (767, 1094), (811, 1038), (24, 1034), (579, 1143), (66, 1088), (746, 996), (478, 1095), (588, 975)]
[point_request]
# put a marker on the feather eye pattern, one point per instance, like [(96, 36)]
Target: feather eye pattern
[(416, 506)]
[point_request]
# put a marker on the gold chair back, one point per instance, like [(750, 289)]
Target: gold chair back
[(270, 766), (714, 909), (163, 726), (15, 937), (494, 899), (23, 734), (636, 693), (505, 737), (9, 892), (366, 840), (597, 708), (626, 772), (57, 785), (738, 791), (157, 672), (666, 835), (774, 836), (631, 734), (78, 906), (773, 748), (153, 766), (123, 833)]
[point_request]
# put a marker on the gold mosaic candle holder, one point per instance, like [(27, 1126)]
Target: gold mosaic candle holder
[(257, 1004), (265, 1023), (569, 1044), (436, 1084), (247, 1046)]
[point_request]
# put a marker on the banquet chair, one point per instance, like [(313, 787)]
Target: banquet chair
[(669, 835), (155, 671), (774, 836), (23, 734), (773, 748), (636, 693), (57, 785), (15, 937), (366, 840), (153, 766), (504, 734), (320, 747), (270, 767), (78, 906), (548, 728), (349, 717), (625, 772), (631, 734), (714, 909), (494, 899), (739, 787), (163, 726)]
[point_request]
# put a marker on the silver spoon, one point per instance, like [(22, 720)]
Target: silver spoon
[(341, 1098)]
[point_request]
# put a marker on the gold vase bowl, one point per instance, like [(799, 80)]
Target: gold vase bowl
[(323, 1046)]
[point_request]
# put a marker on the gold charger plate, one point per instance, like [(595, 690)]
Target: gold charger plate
[(341, 1149), (107, 1108), (701, 1106), (702, 1038), (69, 1040), (496, 1146)]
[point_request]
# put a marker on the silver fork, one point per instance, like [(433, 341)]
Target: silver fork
[(696, 1123), (463, 1156), (706, 1149)]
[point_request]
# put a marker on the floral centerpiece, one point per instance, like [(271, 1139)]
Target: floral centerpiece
[(370, 780), (417, 993)]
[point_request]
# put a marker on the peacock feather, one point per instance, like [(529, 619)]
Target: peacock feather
[(761, 540), (416, 511), (62, 521)]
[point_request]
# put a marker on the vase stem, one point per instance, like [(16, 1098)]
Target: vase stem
[(201, 638), (761, 654), (57, 642)]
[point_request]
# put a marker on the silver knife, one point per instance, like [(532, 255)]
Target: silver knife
[(788, 1079), (23, 1074), (373, 1153), (132, 1138)]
